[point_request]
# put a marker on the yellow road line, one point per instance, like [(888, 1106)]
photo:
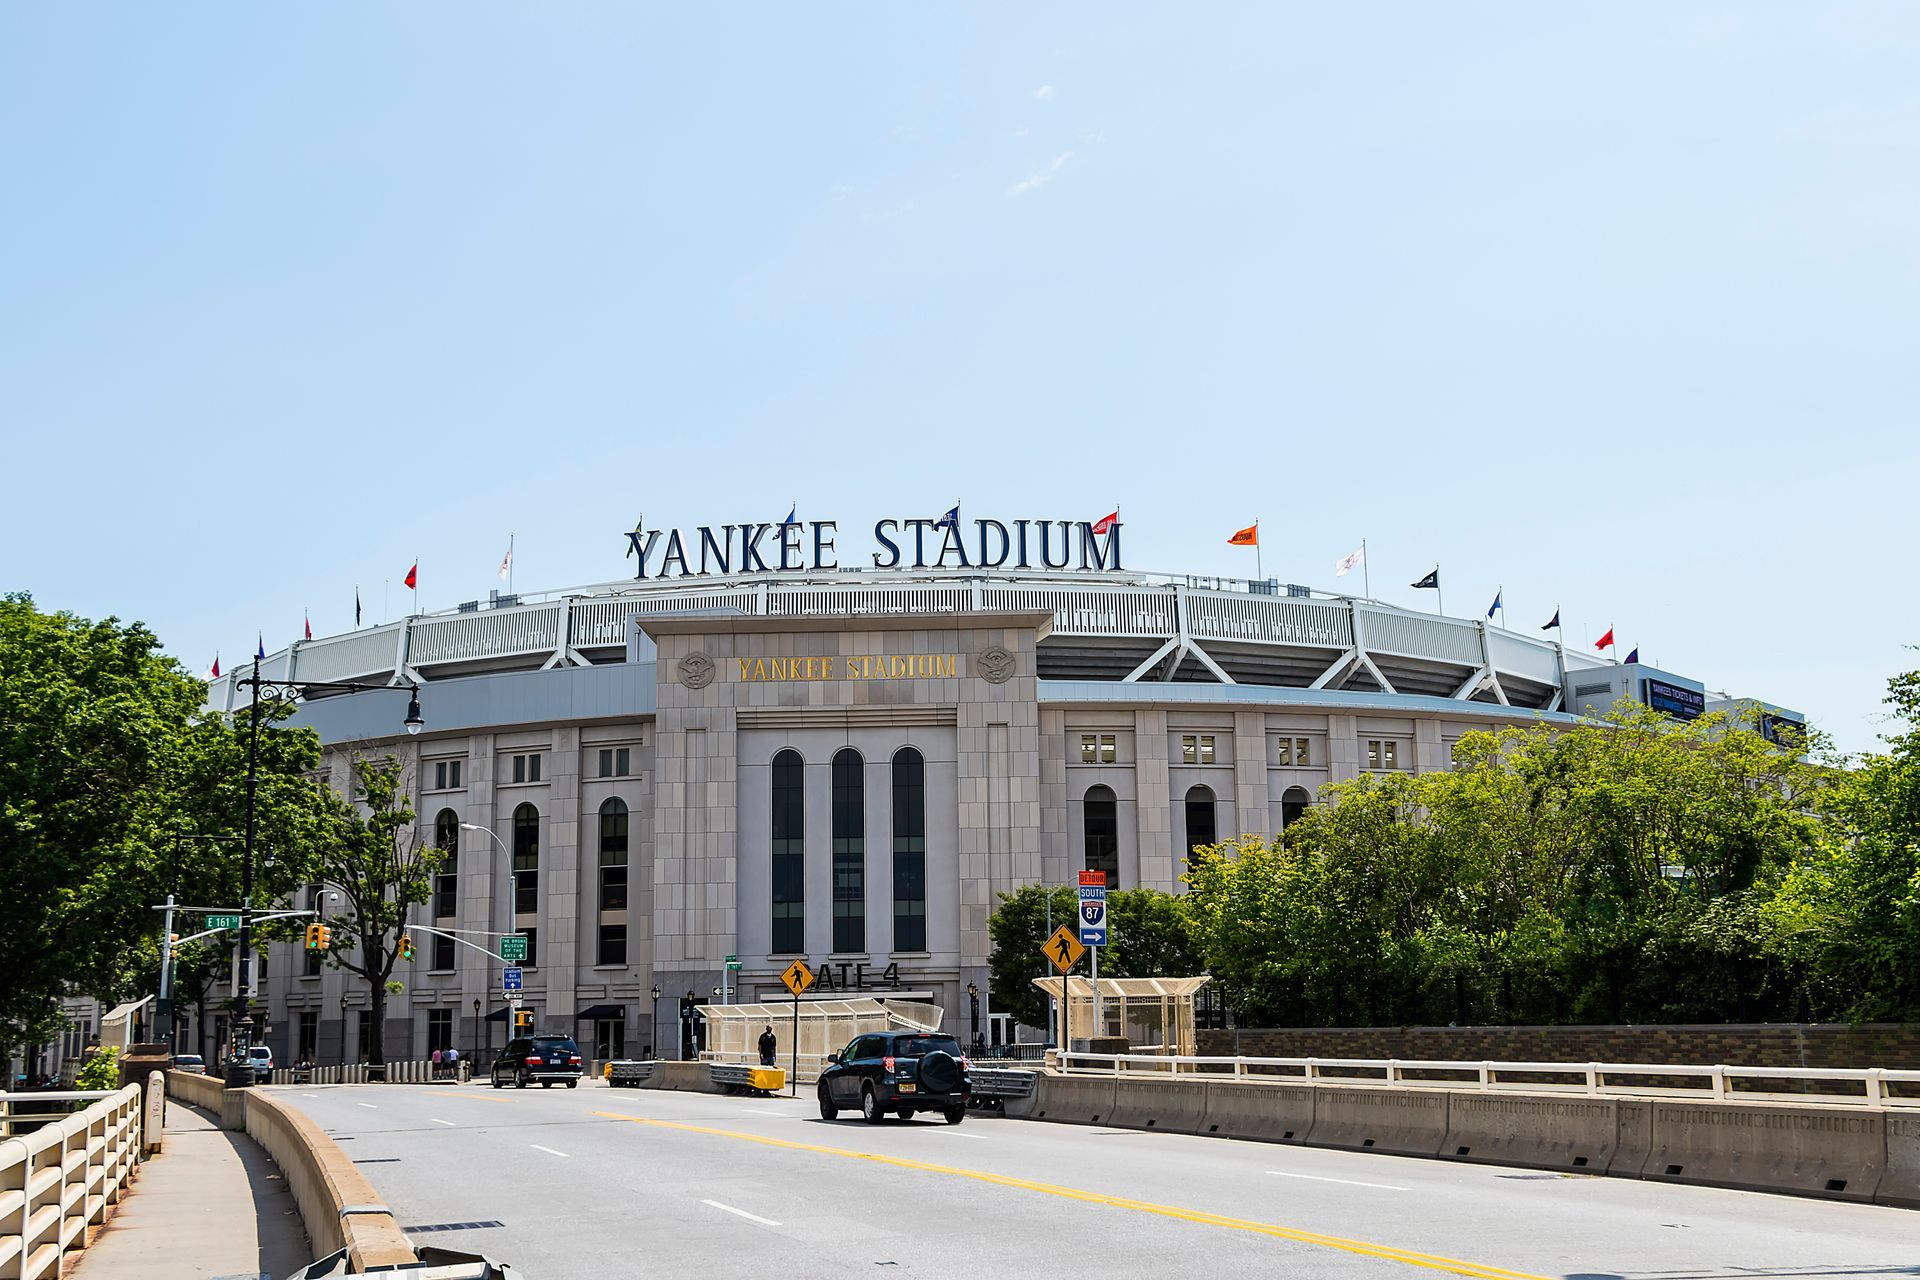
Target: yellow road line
[(1364, 1248)]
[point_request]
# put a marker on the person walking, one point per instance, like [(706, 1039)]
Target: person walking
[(436, 1064), (767, 1046)]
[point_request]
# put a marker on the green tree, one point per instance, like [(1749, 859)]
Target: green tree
[(1149, 934)]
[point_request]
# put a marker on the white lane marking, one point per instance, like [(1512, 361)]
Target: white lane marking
[(309, 1095), (368, 1105), (550, 1151), (751, 1217), (437, 1120), (1345, 1182), (977, 1137)]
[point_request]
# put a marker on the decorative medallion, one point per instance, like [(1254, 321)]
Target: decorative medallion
[(696, 671), (995, 665)]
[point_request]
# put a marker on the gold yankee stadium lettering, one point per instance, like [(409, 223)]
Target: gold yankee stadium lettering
[(874, 666)]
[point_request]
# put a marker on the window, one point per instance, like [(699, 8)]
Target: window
[(909, 851), (1295, 752), (306, 1044), (526, 860), (849, 852), (609, 1039), (1383, 753), (1098, 748), (613, 944), (439, 1029), (446, 775), (526, 768), (613, 859), (365, 1037), (533, 948), (442, 953), (1202, 827), (1196, 748), (614, 762), (789, 854), (1102, 827), (446, 880), (1293, 804)]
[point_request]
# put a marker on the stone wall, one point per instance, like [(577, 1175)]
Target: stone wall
[(1873, 1044)]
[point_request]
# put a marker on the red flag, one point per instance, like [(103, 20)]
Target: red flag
[(1107, 522), (216, 666), (309, 622), (1247, 537), (1605, 641), (413, 577)]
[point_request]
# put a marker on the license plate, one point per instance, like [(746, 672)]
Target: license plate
[(908, 1086)]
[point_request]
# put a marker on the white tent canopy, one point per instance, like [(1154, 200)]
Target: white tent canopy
[(1153, 1014), (825, 1026)]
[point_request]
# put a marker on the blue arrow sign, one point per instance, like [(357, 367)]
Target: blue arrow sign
[(1093, 916), (510, 980)]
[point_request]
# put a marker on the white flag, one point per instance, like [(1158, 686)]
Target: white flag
[(1347, 564), (506, 565)]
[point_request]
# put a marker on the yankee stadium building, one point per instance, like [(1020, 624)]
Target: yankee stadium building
[(751, 751)]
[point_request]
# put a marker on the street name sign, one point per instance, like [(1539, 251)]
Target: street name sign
[(733, 962), (513, 948), (1063, 950), (223, 922)]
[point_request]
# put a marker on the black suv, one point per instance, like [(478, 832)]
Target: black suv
[(548, 1059), (898, 1071)]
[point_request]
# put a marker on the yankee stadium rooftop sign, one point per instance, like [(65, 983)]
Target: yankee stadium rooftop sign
[(808, 546)]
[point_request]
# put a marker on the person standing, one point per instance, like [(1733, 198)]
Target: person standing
[(768, 1045)]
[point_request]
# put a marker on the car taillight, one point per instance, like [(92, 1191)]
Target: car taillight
[(533, 1060), (575, 1059), (887, 1062), (963, 1062)]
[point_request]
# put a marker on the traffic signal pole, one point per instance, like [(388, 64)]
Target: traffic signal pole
[(166, 974)]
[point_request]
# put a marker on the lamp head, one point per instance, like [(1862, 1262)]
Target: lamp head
[(656, 991), (413, 721)]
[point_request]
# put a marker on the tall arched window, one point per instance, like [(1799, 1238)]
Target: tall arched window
[(789, 853), (1101, 823), (526, 860), (909, 851), (612, 946), (1202, 827), (446, 838), (849, 852), (1293, 803)]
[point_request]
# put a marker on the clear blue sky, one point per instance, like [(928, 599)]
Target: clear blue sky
[(1615, 307)]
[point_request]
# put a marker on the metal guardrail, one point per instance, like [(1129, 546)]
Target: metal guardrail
[(626, 1073), (63, 1178), (1001, 1082), (1867, 1086)]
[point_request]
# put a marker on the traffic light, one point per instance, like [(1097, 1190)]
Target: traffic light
[(314, 933), (406, 946), (326, 937), (523, 1019)]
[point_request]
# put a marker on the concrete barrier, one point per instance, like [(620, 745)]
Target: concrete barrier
[(1402, 1122), (1072, 1099), (339, 1206), (1264, 1112), (1830, 1152), (1900, 1183), (153, 1130), (1633, 1141), (1531, 1130), (687, 1077), (1178, 1106)]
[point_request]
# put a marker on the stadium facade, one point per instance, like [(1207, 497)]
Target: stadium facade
[(749, 750)]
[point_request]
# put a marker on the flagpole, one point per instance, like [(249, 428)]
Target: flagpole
[(1366, 570), (1258, 571), (416, 586), (509, 564), (1439, 595), (386, 590)]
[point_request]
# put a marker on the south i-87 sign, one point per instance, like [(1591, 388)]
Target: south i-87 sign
[(1093, 915)]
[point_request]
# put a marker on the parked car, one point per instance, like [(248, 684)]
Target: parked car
[(191, 1063), (262, 1058), (548, 1059), (897, 1071)]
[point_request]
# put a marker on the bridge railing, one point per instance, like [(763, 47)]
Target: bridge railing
[(1832, 1086), (63, 1178)]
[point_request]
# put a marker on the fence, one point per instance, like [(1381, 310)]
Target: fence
[(420, 1072), (63, 1178), (1833, 1086), (34, 1109)]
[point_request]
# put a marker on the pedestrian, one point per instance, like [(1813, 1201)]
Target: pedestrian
[(436, 1064), (452, 1061), (767, 1046)]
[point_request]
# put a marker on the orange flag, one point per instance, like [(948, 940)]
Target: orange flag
[(1247, 537)]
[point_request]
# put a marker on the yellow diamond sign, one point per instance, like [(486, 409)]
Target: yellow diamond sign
[(1064, 949), (797, 977)]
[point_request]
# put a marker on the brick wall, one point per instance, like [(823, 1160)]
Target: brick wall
[(1872, 1044)]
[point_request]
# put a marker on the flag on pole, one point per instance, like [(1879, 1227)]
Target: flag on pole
[(1605, 641), (1633, 654), (309, 623), (412, 582), (951, 520), (260, 646), (1106, 522), (1495, 606), (1347, 564), (1553, 622), (792, 511), (356, 606), (1431, 582), (1247, 537), (215, 673), (506, 563)]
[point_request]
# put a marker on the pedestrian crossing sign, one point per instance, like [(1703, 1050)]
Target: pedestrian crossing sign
[(1063, 949), (797, 977)]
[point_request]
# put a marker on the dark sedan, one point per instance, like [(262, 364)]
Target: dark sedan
[(898, 1072)]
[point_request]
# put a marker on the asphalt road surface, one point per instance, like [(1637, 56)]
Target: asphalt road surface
[(634, 1182)]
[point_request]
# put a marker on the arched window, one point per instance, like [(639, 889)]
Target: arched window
[(1101, 823), (526, 860), (1202, 827), (849, 852), (789, 853), (612, 945), (446, 838), (909, 850), (1293, 803)]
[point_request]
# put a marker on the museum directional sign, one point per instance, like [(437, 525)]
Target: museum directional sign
[(1063, 949), (513, 948)]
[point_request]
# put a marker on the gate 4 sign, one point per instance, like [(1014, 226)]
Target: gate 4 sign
[(797, 977), (1063, 950), (1093, 915)]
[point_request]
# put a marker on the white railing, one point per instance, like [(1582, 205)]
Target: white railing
[(414, 1071), (1859, 1086), (63, 1178), (31, 1107)]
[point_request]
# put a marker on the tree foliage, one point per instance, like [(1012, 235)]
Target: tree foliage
[(1148, 932)]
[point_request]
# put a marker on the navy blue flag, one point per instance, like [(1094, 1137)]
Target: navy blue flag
[(1554, 622), (1496, 603), (356, 608), (1431, 582), (261, 651), (790, 514), (1634, 656), (951, 520)]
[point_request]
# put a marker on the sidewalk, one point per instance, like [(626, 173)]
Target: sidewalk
[(210, 1204)]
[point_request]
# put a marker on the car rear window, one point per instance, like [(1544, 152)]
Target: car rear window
[(921, 1046), (552, 1042)]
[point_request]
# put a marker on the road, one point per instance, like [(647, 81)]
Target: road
[(615, 1182)]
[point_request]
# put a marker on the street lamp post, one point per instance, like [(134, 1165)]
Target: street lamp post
[(241, 1072), (973, 1009), (477, 1025), (343, 1029), (513, 877), (653, 1028)]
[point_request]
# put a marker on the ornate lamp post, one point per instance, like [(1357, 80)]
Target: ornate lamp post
[(973, 1011), (653, 1028)]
